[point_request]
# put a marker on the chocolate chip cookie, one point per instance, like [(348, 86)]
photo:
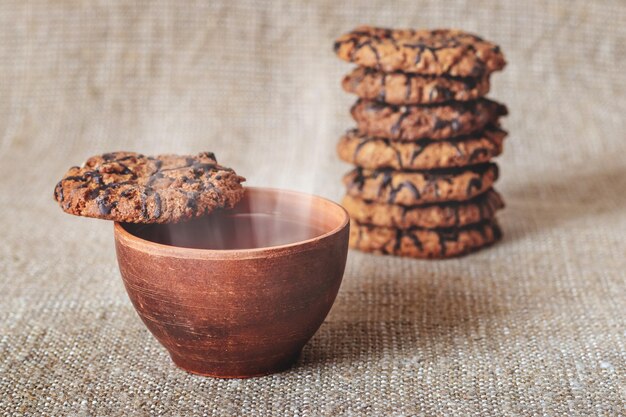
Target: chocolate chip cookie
[(406, 88), (429, 216), (432, 52), (131, 187), (435, 122), (420, 187), (424, 243), (374, 152)]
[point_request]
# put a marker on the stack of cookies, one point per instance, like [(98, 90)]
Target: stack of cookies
[(424, 141)]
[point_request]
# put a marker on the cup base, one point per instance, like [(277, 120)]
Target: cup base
[(238, 370)]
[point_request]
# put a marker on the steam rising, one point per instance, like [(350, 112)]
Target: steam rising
[(261, 219)]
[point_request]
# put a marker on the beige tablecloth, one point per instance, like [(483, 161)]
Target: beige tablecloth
[(533, 326)]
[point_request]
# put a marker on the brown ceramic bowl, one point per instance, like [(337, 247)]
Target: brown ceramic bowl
[(237, 294)]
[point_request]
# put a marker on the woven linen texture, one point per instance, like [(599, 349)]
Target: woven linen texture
[(533, 326)]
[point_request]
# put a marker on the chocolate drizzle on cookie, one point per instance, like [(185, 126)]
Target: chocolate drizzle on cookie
[(382, 94), (386, 186), (430, 215), (378, 153), (126, 186), (426, 121), (397, 126), (104, 205), (401, 88), (420, 51), (408, 91), (416, 241), (425, 243), (419, 148)]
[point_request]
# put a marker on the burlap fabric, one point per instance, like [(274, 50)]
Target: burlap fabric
[(533, 326)]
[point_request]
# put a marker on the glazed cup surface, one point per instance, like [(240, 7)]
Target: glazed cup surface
[(242, 312)]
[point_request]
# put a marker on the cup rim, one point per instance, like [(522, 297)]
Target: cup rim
[(144, 245)]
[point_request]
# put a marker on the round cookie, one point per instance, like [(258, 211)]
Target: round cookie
[(420, 187), (374, 152), (405, 88), (432, 52), (424, 243), (131, 187), (430, 216), (434, 122)]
